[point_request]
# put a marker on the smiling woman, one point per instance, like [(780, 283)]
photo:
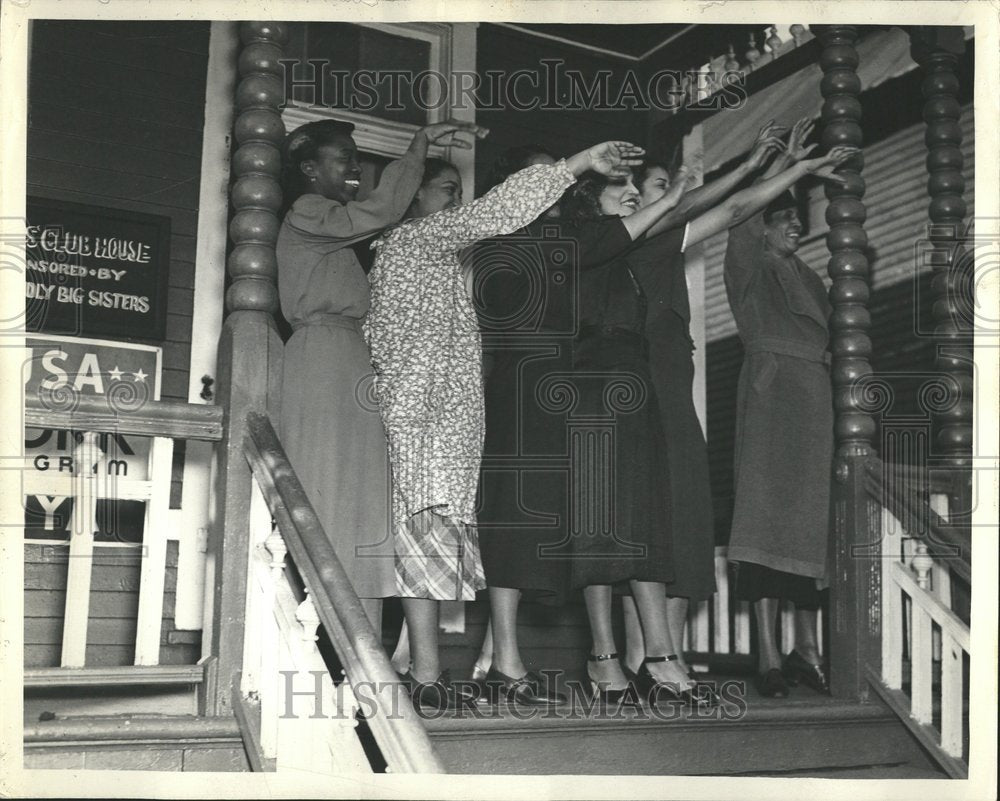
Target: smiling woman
[(334, 440)]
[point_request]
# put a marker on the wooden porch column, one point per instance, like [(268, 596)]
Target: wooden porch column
[(855, 592), (936, 49), (250, 348)]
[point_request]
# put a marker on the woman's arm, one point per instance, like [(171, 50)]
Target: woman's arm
[(519, 200), (699, 200), (642, 220), (357, 219), (754, 198), (795, 151)]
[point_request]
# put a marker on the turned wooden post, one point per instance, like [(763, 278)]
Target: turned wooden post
[(249, 348), (855, 576), (937, 49)]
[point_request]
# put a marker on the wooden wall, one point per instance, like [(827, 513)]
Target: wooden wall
[(114, 603), (563, 131), (115, 117), (116, 112)]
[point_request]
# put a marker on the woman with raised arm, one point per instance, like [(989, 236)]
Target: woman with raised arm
[(659, 266), (335, 443), (784, 432), (425, 345), (659, 669)]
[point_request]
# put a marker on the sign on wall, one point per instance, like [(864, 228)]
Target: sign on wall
[(94, 271), (57, 370)]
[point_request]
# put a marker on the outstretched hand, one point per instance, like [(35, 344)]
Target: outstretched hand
[(768, 141), (796, 140), (615, 159), (439, 133), (824, 166)]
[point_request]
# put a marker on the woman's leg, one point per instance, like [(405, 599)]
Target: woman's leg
[(768, 657), (401, 656), (677, 612), (608, 672), (422, 621), (503, 617), (805, 635), (649, 599), (635, 646), (485, 658)]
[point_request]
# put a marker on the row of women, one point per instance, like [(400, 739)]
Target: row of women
[(595, 475)]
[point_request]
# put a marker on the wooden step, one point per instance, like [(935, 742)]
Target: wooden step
[(753, 736), (104, 691), (135, 742)]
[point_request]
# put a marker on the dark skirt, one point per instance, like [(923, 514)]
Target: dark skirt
[(574, 471), (751, 582), (691, 518)]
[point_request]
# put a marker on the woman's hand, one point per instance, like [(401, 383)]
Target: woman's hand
[(797, 149), (768, 141), (613, 159), (439, 133), (823, 167)]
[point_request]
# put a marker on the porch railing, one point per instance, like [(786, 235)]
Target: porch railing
[(93, 420), (925, 644), (300, 716)]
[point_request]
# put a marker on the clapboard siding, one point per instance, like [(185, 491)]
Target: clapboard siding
[(116, 111), (896, 199), (114, 603), (562, 131)]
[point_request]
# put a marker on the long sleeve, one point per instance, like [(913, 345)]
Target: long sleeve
[(743, 258), (596, 241), (523, 197), (316, 216)]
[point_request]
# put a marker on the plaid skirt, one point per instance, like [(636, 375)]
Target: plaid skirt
[(437, 558)]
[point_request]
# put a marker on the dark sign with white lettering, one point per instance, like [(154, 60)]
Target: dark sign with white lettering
[(93, 271)]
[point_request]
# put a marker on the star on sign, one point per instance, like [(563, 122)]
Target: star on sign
[(116, 374), (140, 377)]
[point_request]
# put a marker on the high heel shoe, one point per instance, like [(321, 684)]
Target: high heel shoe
[(651, 689), (797, 670), (608, 696)]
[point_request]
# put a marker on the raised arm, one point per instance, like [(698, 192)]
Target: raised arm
[(645, 218), (698, 200), (315, 215), (753, 199), (519, 200)]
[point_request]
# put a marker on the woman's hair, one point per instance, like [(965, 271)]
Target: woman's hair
[(433, 167), (303, 144), (513, 159), (582, 201), (786, 200)]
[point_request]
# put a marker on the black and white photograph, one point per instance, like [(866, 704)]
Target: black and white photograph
[(525, 400)]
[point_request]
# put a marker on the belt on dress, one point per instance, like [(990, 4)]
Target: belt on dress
[(329, 319), (788, 347)]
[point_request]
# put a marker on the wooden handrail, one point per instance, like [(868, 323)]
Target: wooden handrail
[(171, 419), (894, 495), (400, 735)]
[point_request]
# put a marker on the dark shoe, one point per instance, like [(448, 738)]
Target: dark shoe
[(797, 670), (771, 684), (529, 690), (440, 694), (627, 695), (651, 690)]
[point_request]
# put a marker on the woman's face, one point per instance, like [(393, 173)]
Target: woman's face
[(443, 191), (620, 198), (335, 172), (782, 231), (654, 185)]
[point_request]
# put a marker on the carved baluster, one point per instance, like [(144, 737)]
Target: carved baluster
[(921, 564), (308, 618), (855, 624), (249, 348), (936, 50)]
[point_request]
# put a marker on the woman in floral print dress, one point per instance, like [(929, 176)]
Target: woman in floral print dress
[(426, 350)]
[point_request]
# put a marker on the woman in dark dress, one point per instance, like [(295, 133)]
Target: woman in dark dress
[(537, 534)]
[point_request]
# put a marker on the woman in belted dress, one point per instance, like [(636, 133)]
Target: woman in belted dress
[(328, 425), (784, 433)]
